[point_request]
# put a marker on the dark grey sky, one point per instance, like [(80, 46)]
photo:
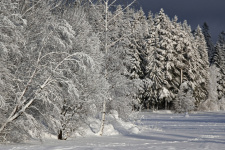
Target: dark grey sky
[(196, 12)]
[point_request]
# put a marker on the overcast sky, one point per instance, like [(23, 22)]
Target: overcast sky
[(196, 12)]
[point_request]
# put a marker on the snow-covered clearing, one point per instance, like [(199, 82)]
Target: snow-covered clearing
[(158, 131)]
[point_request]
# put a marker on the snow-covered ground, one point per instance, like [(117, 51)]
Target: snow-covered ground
[(158, 131)]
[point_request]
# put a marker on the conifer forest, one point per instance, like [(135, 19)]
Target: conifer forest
[(63, 62)]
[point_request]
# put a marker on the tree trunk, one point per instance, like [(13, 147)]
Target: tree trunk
[(148, 106), (60, 135), (106, 52), (103, 118), (165, 104)]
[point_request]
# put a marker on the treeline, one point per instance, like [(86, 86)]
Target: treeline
[(62, 62)]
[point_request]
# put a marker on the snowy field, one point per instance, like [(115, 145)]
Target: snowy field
[(158, 131)]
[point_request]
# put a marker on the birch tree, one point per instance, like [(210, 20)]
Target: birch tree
[(113, 68), (11, 45), (54, 81), (79, 78)]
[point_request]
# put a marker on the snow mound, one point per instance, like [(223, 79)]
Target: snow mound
[(134, 130), (94, 127), (113, 126), (123, 127), (110, 130), (186, 115), (46, 136), (163, 112)]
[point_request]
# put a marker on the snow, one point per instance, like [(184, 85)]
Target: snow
[(158, 130), (164, 93)]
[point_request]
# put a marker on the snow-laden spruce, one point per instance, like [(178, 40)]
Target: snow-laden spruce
[(176, 56), (219, 62)]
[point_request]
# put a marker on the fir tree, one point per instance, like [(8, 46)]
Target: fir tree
[(202, 66), (160, 43), (210, 45), (219, 61)]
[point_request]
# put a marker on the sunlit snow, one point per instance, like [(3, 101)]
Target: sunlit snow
[(157, 131)]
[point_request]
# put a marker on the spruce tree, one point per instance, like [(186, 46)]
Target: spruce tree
[(219, 61), (176, 57), (208, 39), (202, 67), (159, 44)]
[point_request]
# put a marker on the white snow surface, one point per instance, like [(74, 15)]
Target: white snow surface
[(160, 130)]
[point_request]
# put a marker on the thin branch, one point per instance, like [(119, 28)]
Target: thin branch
[(96, 10), (58, 53), (112, 3), (59, 3), (31, 8), (59, 64), (122, 11), (16, 113), (119, 40)]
